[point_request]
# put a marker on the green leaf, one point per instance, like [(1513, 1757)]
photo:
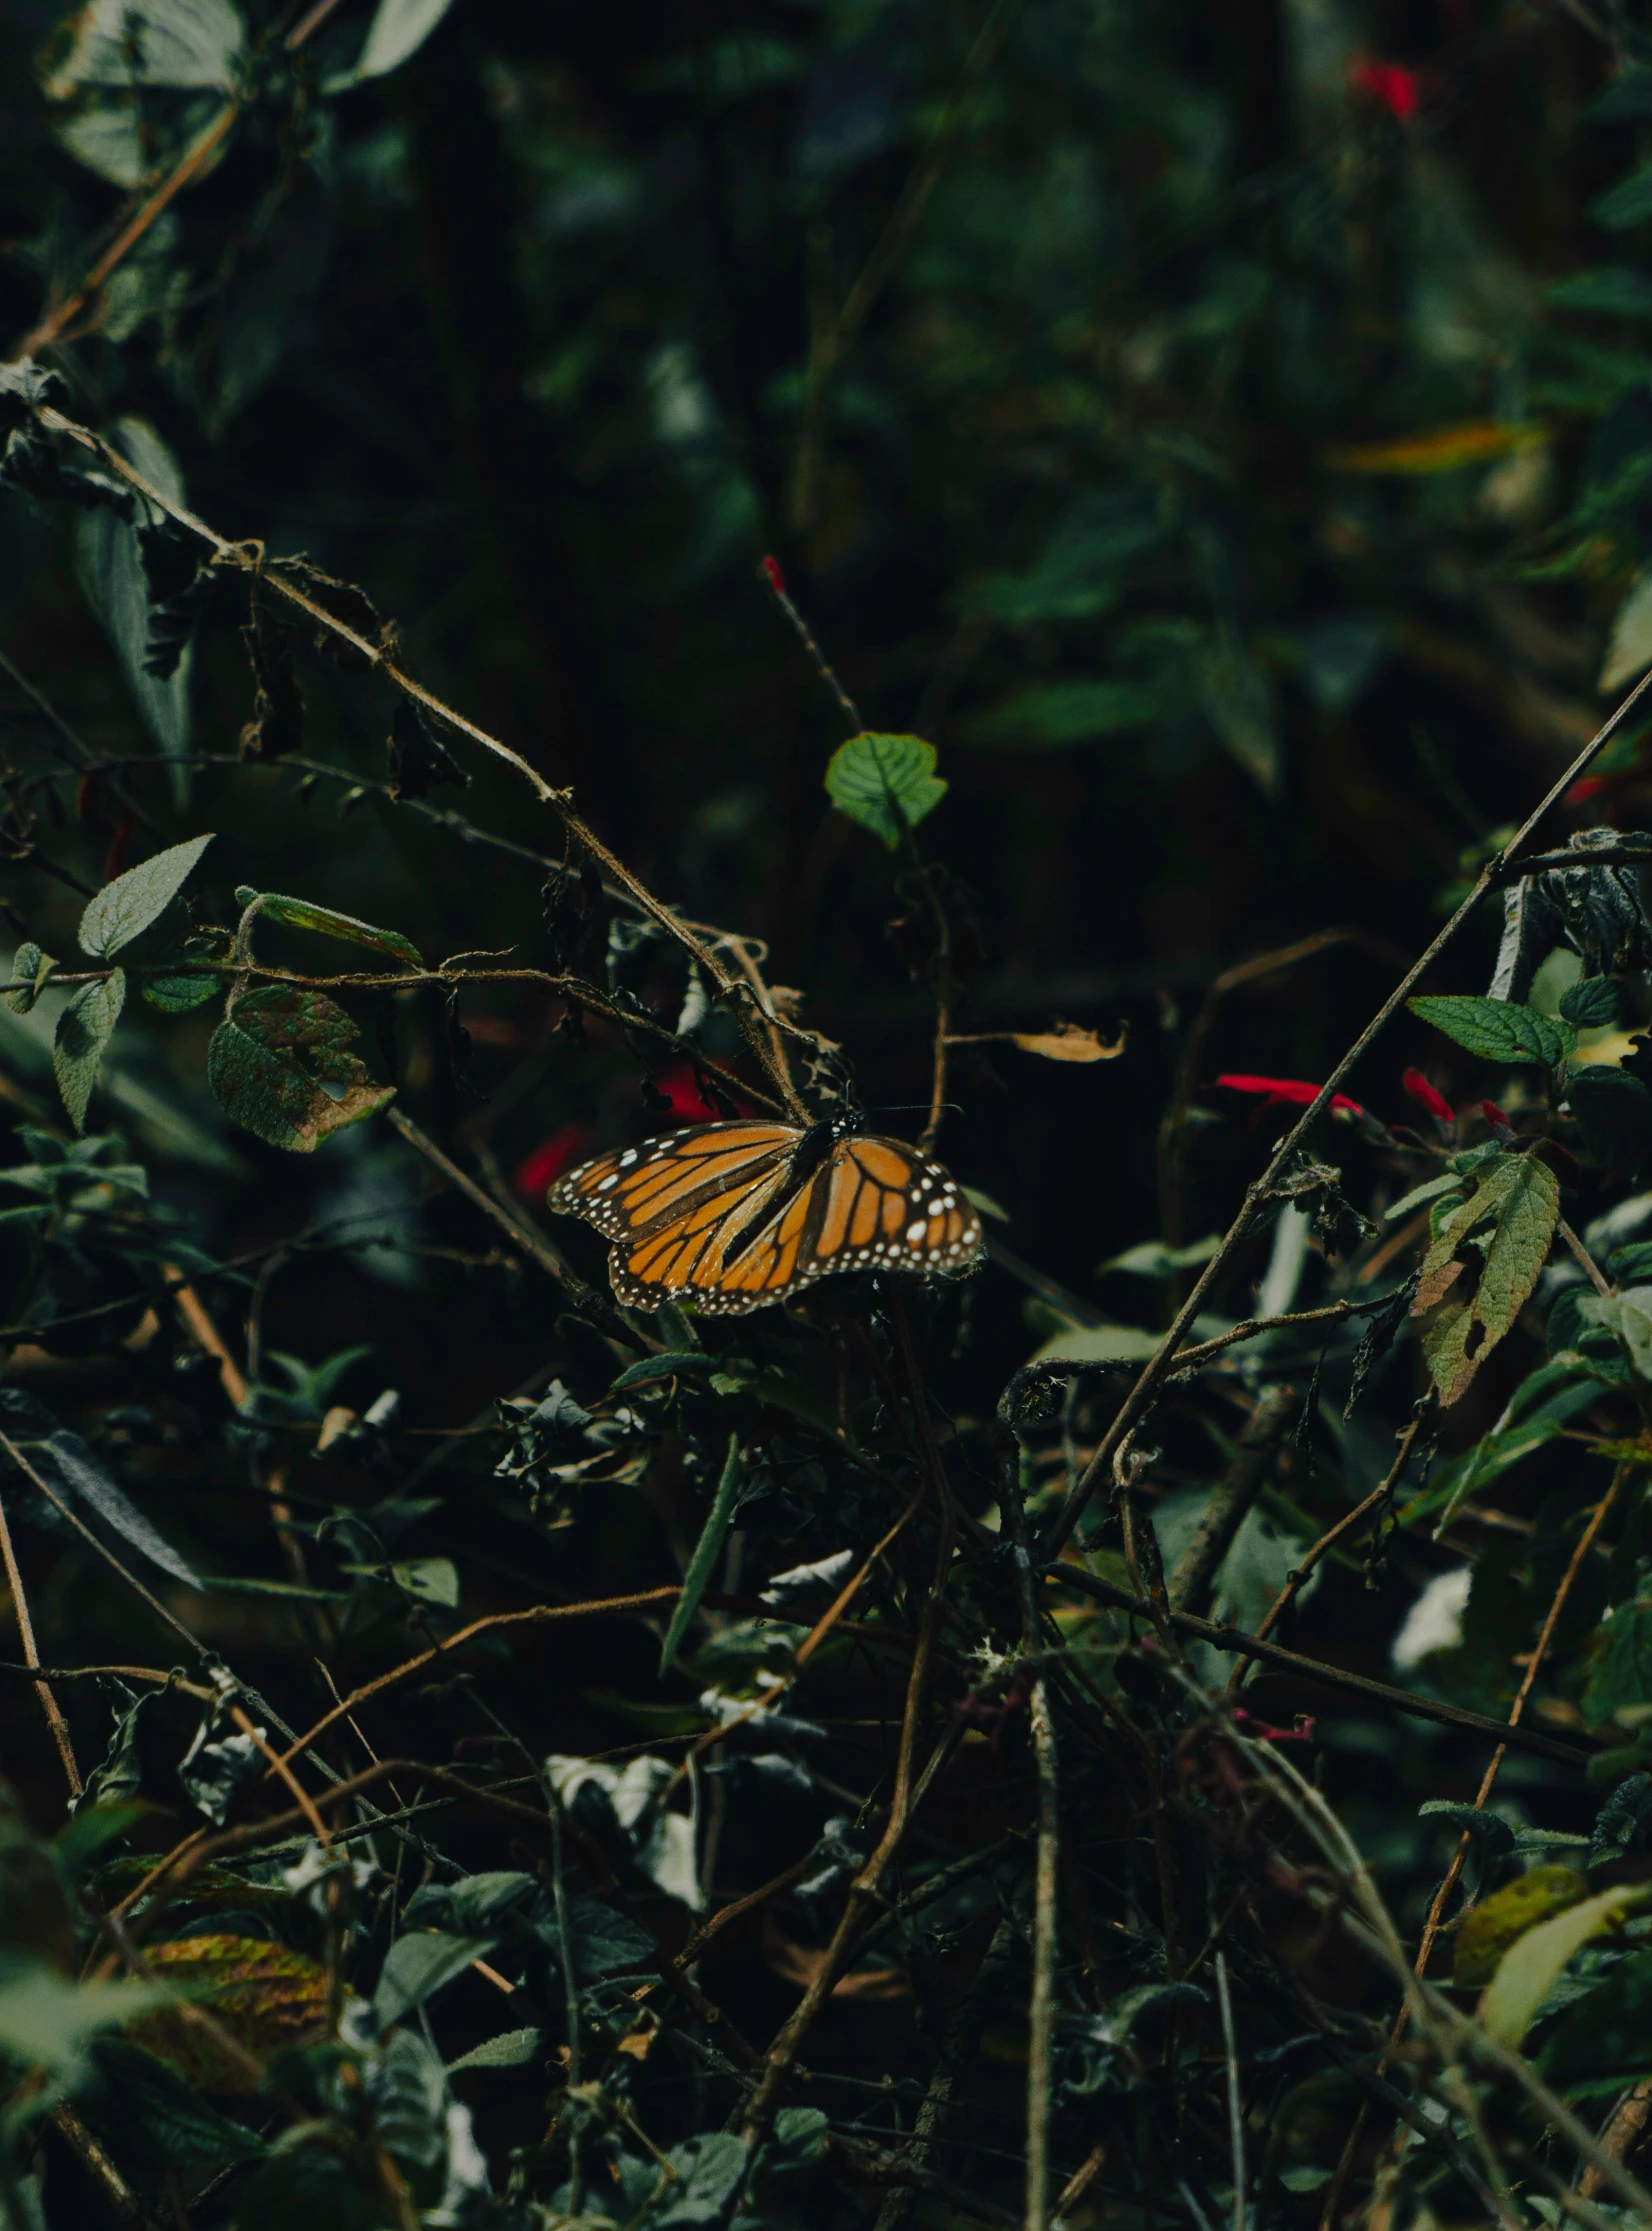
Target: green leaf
[(398, 29), (604, 1942), (1627, 203), (1489, 1928), (1497, 1029), (179, 43), (709, 2168), (1101, 1344), (665, 1365), (886, 783), (1238, 702), (1620, 1679), (1623, 1823), (30, 968), (125, 908), (176, 995), (1629, 1315), (475, 1904), (1152, 1258), (172, 2124), (1416, 1197), (1053, 715), (1532, 1964), (1520, 1197), (1604, 2034), (84, 1028), (46, 2023), (418, 1965), (1613, 1111), (707, 1550), (1629, 651), (1500, 1451), (118, 1776), (1613, 292), (303, 914), (510, 2049), (280, 1066), (431, 1580), (1591, 1004)]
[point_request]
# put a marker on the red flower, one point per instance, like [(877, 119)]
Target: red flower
[(769, 568), (678, 1084), (1500, 1124), (547, 1162), (1396, 88), (1294, 1092), (1427, 1097)]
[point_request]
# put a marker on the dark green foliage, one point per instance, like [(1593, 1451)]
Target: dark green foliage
[(1210, 455)]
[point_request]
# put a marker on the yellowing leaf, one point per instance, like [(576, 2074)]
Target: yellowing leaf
[(1445, 449), (263, 1994), (280, 1064), (1519, 1196), (1061, 1042), (1068, 1042), (1530, 1968), (1489, 1928)]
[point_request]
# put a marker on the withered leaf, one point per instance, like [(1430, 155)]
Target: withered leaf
[(265, 1995)]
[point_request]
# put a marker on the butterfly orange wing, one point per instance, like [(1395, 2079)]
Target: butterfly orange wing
[(874, 1204), (635, 1190)]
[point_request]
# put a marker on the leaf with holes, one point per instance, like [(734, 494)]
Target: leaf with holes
[(886, 783), (280, 1065), (125, 908), (1519, 1197), (84, 1028)]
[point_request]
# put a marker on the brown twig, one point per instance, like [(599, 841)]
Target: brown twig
[(1263, 1190), (58, 1725), (245, 557), (1329, 2216), (1235, 1492), (1041, 2004), (782, 2053), (527, 1241), (1236, 1640), (1295, 1579), (541, 1615)]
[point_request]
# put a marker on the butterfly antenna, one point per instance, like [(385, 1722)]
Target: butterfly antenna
[(769, 571)]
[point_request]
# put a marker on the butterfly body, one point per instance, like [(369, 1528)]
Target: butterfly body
[(732, 1216)]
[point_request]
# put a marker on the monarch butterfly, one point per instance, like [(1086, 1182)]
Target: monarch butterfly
[(730, 1216)]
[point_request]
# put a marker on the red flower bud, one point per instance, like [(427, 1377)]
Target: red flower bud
[(1295, 1092), (1428, 1098), (540, 1170), (1395, 88), (769, 568), (1499, 1122)]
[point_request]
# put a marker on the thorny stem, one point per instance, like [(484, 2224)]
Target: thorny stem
[(245, 557), (1041, 2004), (570, 1986), (788, 2043), (1263, 1190), (58, 1725), (1236, 2120), (1234, 1640), (1459, 1859), (1297, 1578)]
